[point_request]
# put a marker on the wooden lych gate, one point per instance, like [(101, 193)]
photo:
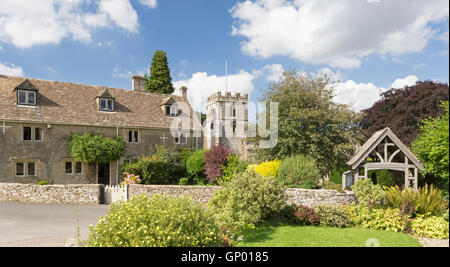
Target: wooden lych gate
[(383, 151)]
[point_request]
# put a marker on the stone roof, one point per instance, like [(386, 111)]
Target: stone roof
[(105, 94), (26, 85), (71, 103), (364, 151)]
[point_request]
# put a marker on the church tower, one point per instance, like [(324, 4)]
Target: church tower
[(227, 122)]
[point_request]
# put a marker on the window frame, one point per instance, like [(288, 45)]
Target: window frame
[(107, 101), (76, 169), (27, 98), (23, 169), (172, 110), (26, 168), (180, 139), (34, 169), (65, 168), (132, 134), (33, 133), (73, 167)]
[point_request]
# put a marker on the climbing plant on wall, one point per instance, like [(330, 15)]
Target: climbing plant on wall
[(94, 148)]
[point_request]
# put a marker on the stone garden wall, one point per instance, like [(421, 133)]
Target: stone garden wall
[(51, 194), (94, 194), (313, 198), (204, 194)]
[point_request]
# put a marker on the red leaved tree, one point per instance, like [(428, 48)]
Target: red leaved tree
[(402, 110), (214, 159)]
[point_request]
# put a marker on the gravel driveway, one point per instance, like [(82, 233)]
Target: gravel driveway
[(44, 225)]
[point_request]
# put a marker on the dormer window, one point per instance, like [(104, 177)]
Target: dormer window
[(106, 101), (170, 107), (25, 97), (26, 94), (172, 110), (106, 104)]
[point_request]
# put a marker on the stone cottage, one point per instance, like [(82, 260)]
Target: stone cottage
[(38, 117)]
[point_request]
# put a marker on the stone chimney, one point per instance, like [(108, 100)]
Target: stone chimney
[(138, 83), (183, 90)]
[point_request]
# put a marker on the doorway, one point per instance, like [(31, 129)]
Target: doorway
[(104, 173)]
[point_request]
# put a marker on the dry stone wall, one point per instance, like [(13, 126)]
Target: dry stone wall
[(94, 194), (51, 194), (205, 193)]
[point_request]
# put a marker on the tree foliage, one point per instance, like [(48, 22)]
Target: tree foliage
[(432, 145), (367, 193), (214, 159), (403, 109), (160, 80), (310, 123), (93, 148)]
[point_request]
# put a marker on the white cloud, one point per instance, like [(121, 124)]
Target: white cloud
[(408, 81), (202, 85), (359, 95), (119, 72), (337, 33), (149, 3), (334, 76), (28, 22), (363, 95), (274, 72), (11, 70), (443, 37), (121, 12)]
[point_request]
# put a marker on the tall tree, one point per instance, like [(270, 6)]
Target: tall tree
[(403, 109), (431, 146), (310, 123), (160, 80)]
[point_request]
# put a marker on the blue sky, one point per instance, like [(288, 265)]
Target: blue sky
[(366, 46)]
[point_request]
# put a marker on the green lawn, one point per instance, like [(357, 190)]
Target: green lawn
[(308, 236)]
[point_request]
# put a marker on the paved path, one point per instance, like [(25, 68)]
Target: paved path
[(44, 225), (430, 242)]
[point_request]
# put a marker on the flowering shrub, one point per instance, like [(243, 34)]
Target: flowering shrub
[(432, 226), (130, 179), (378, 219), (304, 215), (233, 167), (248, 199), (151, 170), (333, 216), (214, 159), (195, 165), (157, 221), (367, 193), (299, 171), (269, 168), (390, 219)]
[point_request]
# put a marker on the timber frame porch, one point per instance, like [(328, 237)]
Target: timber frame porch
[(383, 151)]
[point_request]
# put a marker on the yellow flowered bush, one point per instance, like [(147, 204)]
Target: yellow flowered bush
[(431, 226), (269, 168), (389, 219), (156, 221)]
